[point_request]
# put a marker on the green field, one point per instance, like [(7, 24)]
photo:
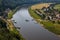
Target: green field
[(33, 14), (57, 7)]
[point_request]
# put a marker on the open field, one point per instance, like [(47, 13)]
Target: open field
[(40, 6), (57, 7)]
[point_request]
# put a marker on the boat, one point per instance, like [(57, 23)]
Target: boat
[(26, 20), (18, 27), (14, 21), (32, 19)]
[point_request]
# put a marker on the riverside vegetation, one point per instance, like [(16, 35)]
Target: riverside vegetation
[(48, 16), (6, 33), (7, 29)]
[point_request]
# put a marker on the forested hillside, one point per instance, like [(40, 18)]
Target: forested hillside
[(13, 3)]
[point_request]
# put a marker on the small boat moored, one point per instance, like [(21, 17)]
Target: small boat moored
[(14, 21), (27, 20)]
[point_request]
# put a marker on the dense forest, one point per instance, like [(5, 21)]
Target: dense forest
[(5, 34), (13, 3)]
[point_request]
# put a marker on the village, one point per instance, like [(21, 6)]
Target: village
[(49, 13)]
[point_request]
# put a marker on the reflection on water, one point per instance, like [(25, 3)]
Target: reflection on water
[(29, 28)]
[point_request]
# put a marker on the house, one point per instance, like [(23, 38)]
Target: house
[(38, 12), (46, 9), (58, 16), (50, 17)]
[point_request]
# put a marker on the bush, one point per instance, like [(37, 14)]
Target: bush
[(58, 22)]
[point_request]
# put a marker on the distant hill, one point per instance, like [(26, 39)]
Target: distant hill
[(13, 3)]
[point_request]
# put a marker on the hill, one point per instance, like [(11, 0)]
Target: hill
[(13, 3)]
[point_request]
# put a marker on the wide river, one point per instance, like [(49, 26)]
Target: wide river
[(29, 28)]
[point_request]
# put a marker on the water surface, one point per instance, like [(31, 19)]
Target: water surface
[(30, 29)]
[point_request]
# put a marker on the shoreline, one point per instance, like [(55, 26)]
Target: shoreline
[(11, 26), (35, 16), (13, 29), (12, 12)]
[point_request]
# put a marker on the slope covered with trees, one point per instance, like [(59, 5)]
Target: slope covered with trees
[(13, 3)]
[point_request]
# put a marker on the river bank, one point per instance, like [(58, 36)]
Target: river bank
[(12, 12), (12, 29), (8, 29), (45, 23), (31, 27), (11, 26)]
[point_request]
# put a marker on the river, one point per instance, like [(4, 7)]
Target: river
[(29, 28)]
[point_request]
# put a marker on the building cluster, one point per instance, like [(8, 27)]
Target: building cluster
[(49, 13)]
